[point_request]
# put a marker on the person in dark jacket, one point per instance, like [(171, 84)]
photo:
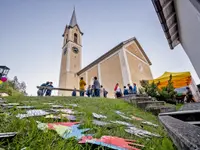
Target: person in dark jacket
[(189, 96), (125, 91), (130, 89), (48, 92), (42, 91), (96, 87), (89, 91), (74, 92), (105, 93)]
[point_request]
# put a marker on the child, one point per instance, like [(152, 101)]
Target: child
[(125, 91), (101, 91), (130, 89), (89, 91), (105, 93), (74, 92), (134, 88), (118, 92)]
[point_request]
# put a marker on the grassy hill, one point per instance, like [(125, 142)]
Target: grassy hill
[(31, 137)]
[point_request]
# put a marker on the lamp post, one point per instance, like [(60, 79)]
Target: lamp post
[(4, 71)]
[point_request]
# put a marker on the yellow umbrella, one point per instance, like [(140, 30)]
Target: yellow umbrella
[(179, 79)]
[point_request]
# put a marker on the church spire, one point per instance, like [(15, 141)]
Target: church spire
[(73, 20)]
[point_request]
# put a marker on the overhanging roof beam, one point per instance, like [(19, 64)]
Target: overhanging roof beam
[(167, 4)]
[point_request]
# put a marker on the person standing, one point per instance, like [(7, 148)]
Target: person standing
[(89, 91), (105, 93), (49, 90), (92, 91), (74, 92), (42, 91), (125, 91), (101, 91), (189, 96), (134, 88), (82, 86), (96, 87), (115, 89), (130, 89), (118, 92)]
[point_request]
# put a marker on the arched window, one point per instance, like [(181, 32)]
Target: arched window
[(75, 38)]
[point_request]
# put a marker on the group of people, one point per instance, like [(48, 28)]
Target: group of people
[(127, 90), (45, 89), (96, 90)]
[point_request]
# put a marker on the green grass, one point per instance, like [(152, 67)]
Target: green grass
[(34, 139)]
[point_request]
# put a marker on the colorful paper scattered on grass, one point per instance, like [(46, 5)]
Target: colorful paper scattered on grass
[(100, 123), (2, 101), (57, 106), (119, 112), (140, 132), (61, 116), (122, 115), (122, 123), (149, 123), (98, 116), (112, 142), (136, 118), (25, 107), (7, 135), (11, 104), (67, 111), (31, 113), (48, 103), (64, 129)]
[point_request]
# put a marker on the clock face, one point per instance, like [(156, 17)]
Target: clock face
[(75, 50)]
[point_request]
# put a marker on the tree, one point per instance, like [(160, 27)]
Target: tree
[(15, 83), (22, 87), (166, 93), (13, 87)]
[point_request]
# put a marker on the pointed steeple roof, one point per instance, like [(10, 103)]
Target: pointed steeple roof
[(73, 20)]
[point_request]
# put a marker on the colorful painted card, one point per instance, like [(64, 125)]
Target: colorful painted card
[(113, 142)]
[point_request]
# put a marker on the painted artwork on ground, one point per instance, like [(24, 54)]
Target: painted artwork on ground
[(7, 135), (136, 118), (25, 107), (149, 123), (62, 116), (98, 116), (100, 123), (64, 129), (140, 133), (113, 143), (2, 101), (31, 113), (122, 123), (67, 111), (57, 106), (122, 115), (10, 104)]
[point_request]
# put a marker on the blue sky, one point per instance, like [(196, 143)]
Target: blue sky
[(31, 36)]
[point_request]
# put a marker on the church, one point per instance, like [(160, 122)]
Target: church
[(125, 63)]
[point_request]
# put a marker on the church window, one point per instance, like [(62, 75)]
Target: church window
[(75, 38)]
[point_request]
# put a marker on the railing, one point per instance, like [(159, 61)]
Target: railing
[(59, 89)]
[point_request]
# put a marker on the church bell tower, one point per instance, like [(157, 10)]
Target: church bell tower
[(71, 56)]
